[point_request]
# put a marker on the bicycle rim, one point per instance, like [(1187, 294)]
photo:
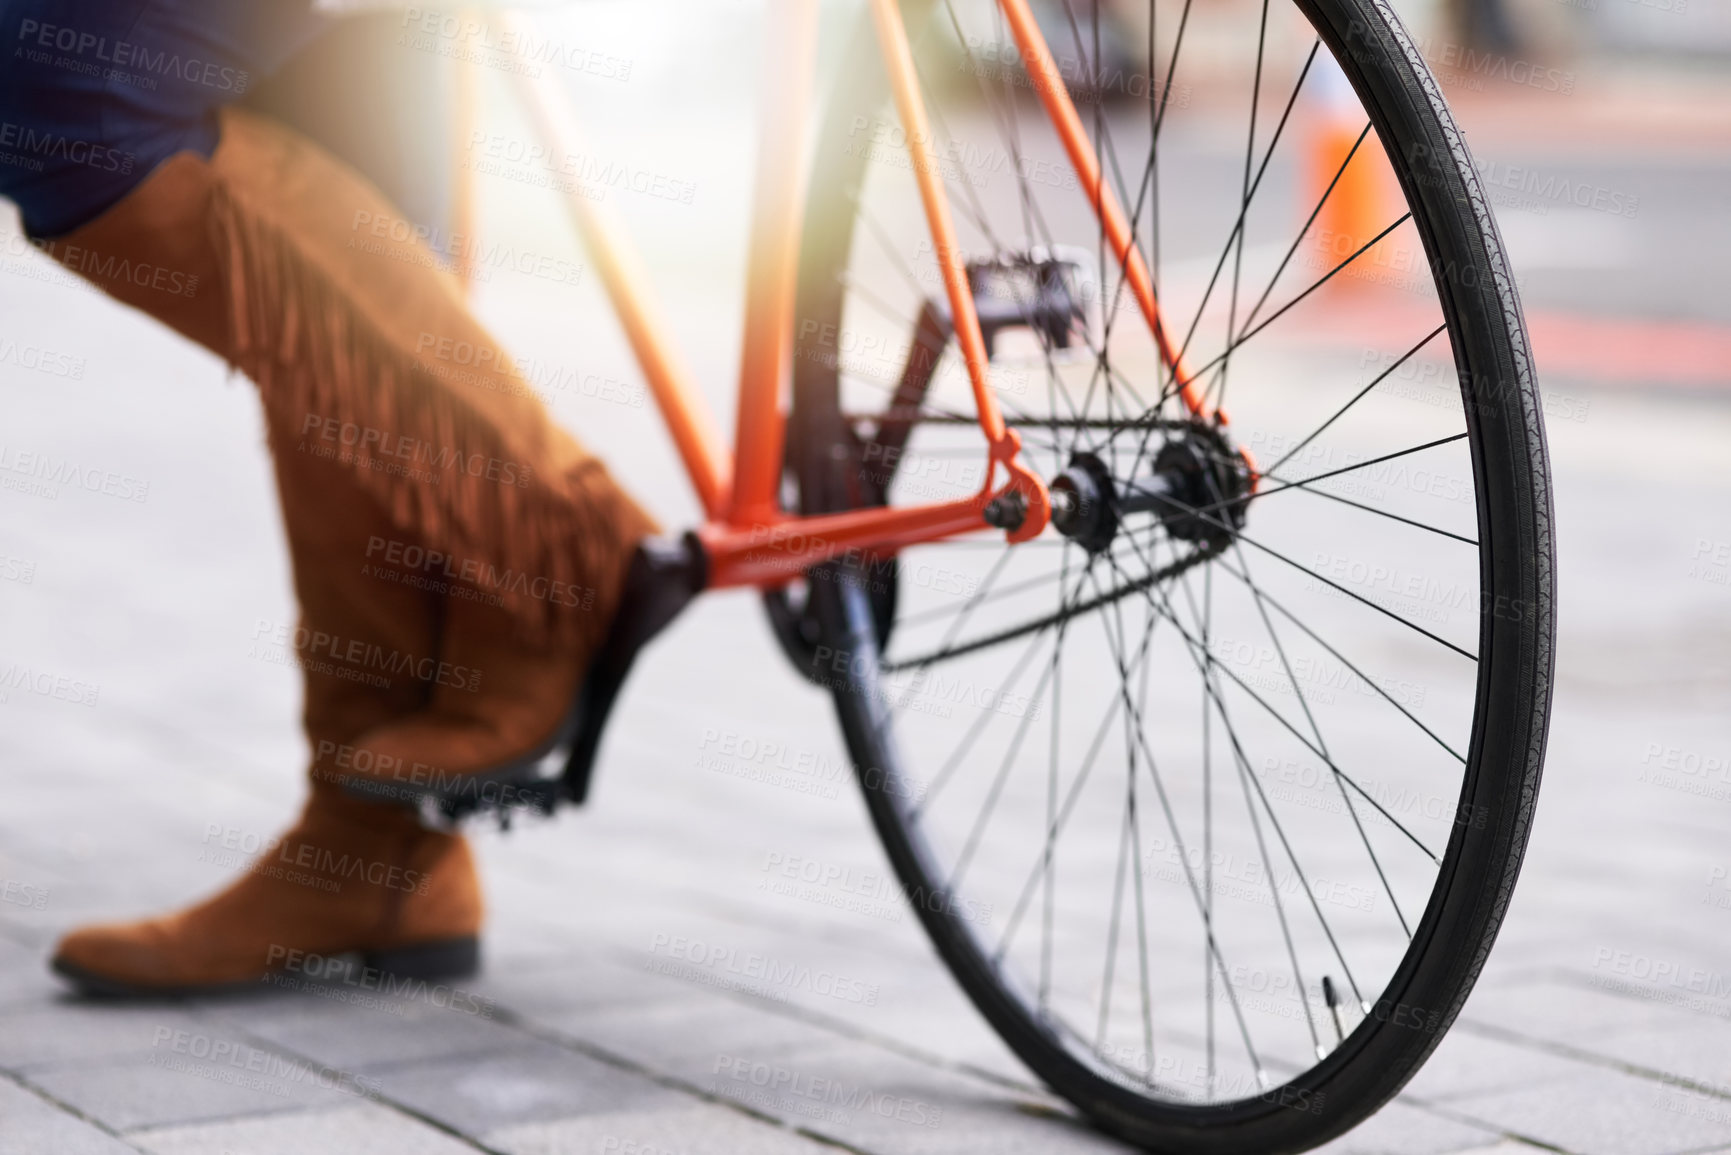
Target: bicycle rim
[(1215, 827)]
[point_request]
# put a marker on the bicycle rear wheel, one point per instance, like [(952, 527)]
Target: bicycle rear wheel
[(1214, 803)]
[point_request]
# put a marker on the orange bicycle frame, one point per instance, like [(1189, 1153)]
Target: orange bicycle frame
[(748, 538)]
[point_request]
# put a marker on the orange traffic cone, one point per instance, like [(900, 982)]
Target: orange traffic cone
[(1348, 173)]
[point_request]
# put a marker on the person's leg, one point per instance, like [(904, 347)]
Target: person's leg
[(400, 432), (366, 356)]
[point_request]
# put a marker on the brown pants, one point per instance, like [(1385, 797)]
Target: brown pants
[(457, 555)]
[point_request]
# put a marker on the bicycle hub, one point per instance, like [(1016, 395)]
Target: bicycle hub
[(1198, 490)]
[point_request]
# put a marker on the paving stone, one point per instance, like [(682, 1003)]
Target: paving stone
[(167, 1087), (1399, 1129), (67, 1030), (531, 1082), (870, 1098), (696, 1129), (35, 1127), (364, 1129), (352, 1027), (24, 976), (1606, 1113), (688, 1039), (1467, 1064), (587, 980), (1699, 1051), (1560, 1009)]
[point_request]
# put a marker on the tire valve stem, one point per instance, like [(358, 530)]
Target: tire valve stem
[(1332, 998)]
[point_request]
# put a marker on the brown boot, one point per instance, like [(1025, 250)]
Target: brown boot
[(350, 876)]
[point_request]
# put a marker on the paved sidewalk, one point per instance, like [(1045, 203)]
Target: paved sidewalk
[(1603, 1025)]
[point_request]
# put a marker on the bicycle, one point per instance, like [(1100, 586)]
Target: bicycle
[(1124, 870)]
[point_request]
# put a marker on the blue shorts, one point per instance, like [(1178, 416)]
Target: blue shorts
[(94, 94)]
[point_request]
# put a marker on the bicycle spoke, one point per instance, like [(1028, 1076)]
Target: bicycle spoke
[(1356, 397), (1345, 661), (1293, 730), (1316, 731)]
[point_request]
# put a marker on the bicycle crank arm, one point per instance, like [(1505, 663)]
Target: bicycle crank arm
[(664, 577)]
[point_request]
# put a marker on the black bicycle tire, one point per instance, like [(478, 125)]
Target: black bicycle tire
[(1505, 757)]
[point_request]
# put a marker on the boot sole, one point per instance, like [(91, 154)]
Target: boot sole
[(447, 959), (454, 958)]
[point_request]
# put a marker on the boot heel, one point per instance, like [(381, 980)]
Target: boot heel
[(450, 959)]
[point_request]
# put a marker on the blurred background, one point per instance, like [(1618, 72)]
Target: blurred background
[(1602, 131)]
